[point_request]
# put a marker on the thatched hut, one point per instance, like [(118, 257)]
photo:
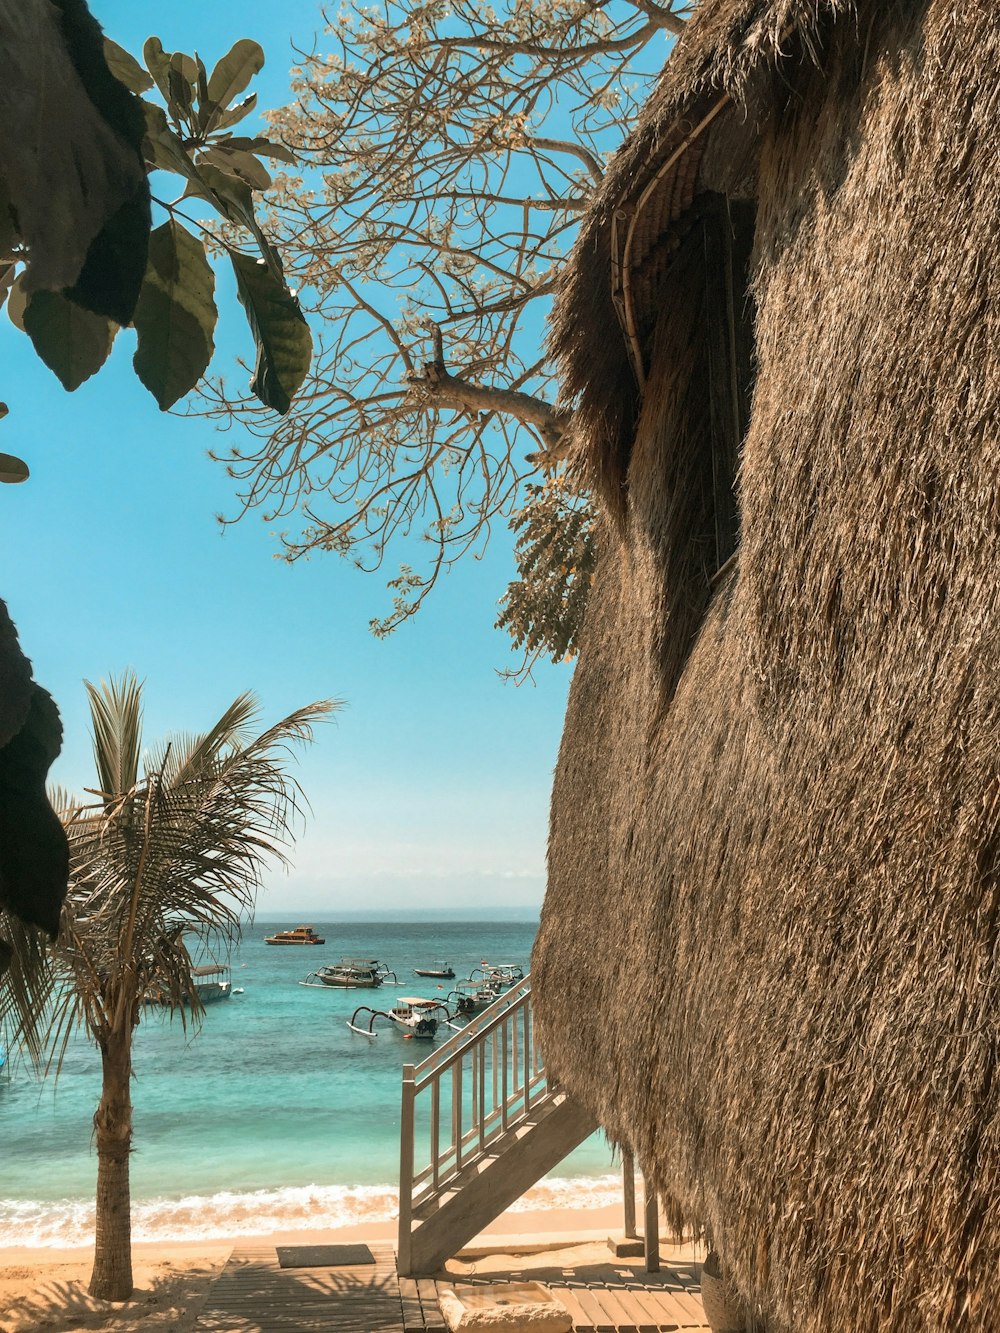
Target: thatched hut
[(768, 958)]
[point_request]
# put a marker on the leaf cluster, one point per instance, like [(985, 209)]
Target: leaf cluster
[(188, 134), (542, 610)]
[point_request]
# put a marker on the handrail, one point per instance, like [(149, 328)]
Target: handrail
[(479, 1085), (444, 1055)]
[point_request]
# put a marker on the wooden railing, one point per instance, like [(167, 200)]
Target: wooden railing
[(459, 1102)]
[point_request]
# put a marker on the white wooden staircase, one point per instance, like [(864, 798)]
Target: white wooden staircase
[(481, 1123)]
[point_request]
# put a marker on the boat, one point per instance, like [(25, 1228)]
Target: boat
[(497, 975), (211, 984), (300, 935), (472, 997), (412, 1015), (443, 972), (351, 973)]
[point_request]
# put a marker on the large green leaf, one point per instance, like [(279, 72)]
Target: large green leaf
[(162, 147), (17, 299), (262, 147), (126, 68), (176, 315), (238, 163), (73, 342), (158, 63), (284, 343), (234, 71), (12, 470)]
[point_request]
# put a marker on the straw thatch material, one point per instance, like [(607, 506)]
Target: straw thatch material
[(768, 958)]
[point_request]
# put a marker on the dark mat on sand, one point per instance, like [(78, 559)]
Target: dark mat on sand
[(323, 1256)]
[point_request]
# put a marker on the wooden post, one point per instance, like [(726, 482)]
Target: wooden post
[(628, 1193), (406, 1131), (651, 1235)]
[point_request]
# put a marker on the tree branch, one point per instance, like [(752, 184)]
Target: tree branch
[(437, 383)]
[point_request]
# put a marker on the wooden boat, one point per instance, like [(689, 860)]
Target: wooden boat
[(443, 972), (351, 974), (497, 975), (472, 997), (211, 983), (411, 1015), (300, 935)]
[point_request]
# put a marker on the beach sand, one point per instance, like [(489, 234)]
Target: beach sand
[(46, 1289)]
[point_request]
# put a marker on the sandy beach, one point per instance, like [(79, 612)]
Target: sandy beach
[(46, 1289)]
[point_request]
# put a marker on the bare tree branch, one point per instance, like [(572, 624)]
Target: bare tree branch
[(448, 152)]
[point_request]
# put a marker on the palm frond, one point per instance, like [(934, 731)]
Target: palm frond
[(25, 986), (116, 717)]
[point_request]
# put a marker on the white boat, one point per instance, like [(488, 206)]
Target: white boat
[(497, 975), (412, 1015), (211, 984), (472, 997), (351, 974)]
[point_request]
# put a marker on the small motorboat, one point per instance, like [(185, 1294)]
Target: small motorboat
[(497, 975), (472, 997), (211, 983), (351, 974), (411, 1015), (442, 972), (300, 935)]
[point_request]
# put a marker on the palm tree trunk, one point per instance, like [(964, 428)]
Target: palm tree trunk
[(111, 1279)]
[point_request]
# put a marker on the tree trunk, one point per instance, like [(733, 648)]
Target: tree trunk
[(111, 1279)]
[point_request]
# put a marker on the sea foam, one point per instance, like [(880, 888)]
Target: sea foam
[(69, 1222)]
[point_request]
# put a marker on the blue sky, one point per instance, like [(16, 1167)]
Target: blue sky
[(431, 787)]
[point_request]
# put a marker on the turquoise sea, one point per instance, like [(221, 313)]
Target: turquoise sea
[(273, 1116)]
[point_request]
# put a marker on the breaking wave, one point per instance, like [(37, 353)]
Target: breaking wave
[(69, 1222)]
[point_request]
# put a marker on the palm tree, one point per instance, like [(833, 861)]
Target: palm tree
[(173, 844)]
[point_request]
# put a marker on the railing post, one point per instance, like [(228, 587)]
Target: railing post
[(406, 1133), (457, 1110), (651, 1238), (628, 1193)]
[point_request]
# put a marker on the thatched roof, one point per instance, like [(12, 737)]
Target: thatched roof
[(721, 71), (769, 958)]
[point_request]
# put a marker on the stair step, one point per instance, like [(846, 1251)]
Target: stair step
[(490, 1183), (475, 1165)]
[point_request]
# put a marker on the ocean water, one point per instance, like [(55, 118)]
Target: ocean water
[(273, 1116)]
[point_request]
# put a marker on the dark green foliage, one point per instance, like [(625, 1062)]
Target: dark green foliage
[(189, 138), (12, 469), (543, 609), (109, 281), (176, 315), (72, 342), (111, 276), (284, 344), (34, 858)]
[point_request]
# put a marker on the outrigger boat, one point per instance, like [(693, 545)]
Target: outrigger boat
[(443, 972), (497, 975), (411, 1015), (211, 983), (351, 974), (472, 997), (300, 935)]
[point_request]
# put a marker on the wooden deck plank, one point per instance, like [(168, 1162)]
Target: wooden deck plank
[(654, 1310), (433, 1319), (254, 1295), (638, 1317), (413, 1318), (567, 1298), (691, 1305), (593, 1309), (619, 1317)]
